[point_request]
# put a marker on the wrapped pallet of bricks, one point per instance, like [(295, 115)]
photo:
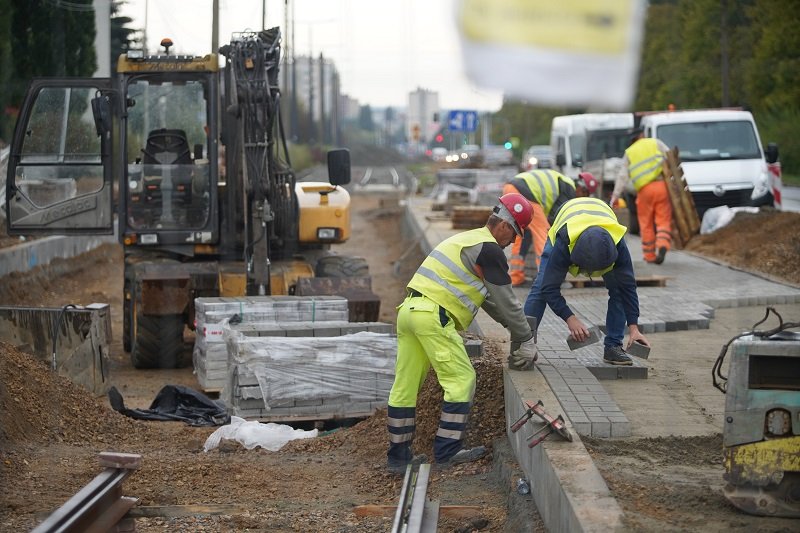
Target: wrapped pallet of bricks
[(309, 378), (255, 313)]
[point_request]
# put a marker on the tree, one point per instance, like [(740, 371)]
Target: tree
[(365, 121), (122, 37), (34, 42)]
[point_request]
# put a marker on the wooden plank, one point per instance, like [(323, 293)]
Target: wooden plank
[(450, 511), (686, 222), (581, 282), (178, 511)]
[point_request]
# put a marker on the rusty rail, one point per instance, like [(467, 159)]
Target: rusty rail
[(99, 506)]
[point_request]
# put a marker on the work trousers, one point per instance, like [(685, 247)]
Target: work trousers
[(427, 337), (535, 303), (535, 236), (654, 212)]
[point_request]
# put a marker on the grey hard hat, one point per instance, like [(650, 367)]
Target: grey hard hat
[(595, 250)]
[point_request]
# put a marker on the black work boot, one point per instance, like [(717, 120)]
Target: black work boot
[(400, 468), (662, 252), (615, 355)]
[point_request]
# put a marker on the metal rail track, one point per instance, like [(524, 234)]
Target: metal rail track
[(415, 512), (99, 506)]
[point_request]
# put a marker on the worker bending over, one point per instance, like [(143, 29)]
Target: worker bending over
[(463, 274), (643, 165), (586, 238), (546, 190)]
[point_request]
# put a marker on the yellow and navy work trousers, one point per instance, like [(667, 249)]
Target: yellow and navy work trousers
[(427, 337)]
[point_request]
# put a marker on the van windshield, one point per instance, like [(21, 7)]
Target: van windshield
[(605, 144), (712, 141)]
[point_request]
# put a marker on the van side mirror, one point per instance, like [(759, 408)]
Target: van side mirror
[(339, 166), (561, 160), (771, 153), (198, 151)]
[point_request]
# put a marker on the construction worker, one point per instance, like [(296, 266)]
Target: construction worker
[(546, 190), (585, 185), (587, 238), (463, 274), (643, 165)]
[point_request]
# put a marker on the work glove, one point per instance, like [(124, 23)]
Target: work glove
[(523, 355)]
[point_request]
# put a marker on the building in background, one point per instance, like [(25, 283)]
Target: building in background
[(420, 125)]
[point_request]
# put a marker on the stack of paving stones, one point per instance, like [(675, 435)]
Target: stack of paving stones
[(210, 354), (279, 357), (687, 303), (310, 378)]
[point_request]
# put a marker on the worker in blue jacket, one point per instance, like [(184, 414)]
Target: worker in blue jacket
[(586, 238)]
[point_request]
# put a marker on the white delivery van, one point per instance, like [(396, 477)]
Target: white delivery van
[(568, 136), (721, 155)]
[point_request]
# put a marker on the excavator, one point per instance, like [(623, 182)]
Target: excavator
[(188, 163)]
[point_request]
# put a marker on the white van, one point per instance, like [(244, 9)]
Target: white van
[(721, 155), (568, 136)]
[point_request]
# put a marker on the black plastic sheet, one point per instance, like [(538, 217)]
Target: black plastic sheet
[(176, 402)]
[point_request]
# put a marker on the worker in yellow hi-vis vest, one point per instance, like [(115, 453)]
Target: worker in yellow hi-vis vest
[(644, 162), (463, 274), (546, 190)]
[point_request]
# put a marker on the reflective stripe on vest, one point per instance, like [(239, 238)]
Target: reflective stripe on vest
[(579, 214), (541, 186), (645, 161), (443, 278)]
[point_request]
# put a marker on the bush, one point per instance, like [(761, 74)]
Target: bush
[(782, 127)]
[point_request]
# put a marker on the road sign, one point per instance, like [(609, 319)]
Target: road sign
[(459, 120)]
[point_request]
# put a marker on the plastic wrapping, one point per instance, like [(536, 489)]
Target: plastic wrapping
[(252, 434), (347, 375)]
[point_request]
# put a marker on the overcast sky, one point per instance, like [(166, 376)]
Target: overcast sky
[(383, 49)]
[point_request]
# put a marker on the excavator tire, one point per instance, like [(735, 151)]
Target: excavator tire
[(126, 319), (342, 266), (159, 341)]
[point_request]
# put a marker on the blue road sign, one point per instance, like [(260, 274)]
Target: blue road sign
[(459, 120)]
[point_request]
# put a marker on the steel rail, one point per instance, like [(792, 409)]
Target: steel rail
[(99, 505), (415, 512)]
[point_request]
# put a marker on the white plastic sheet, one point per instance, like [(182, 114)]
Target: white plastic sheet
[(251, 434), (718, 217)]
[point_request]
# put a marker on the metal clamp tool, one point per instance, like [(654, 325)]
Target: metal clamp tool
[(552, 425)]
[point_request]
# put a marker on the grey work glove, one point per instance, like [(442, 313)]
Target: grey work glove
[(523, 355)]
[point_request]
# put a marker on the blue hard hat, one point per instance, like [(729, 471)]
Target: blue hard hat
[(595, 250)]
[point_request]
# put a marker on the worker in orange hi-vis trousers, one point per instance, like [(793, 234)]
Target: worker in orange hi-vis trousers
[(644, 162), (546, 190)]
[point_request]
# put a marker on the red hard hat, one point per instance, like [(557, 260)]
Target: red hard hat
[(588, 181), (518, 208)]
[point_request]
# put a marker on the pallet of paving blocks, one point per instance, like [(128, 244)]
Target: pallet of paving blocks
[(308, 378), (275, 315)]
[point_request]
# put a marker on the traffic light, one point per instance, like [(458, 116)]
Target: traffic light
[(439, 138), (507, 145)]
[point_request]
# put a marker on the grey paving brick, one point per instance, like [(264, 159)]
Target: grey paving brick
[(620, 429)]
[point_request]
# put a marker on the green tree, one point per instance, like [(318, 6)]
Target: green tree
[(123, 37), (365, 118), (6, 71)]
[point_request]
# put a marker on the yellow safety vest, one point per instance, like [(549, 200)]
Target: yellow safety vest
[(443, 278), (579, 214), (645, 161), (543, 185)]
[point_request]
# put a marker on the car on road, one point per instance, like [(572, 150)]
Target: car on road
[(537, 156)]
